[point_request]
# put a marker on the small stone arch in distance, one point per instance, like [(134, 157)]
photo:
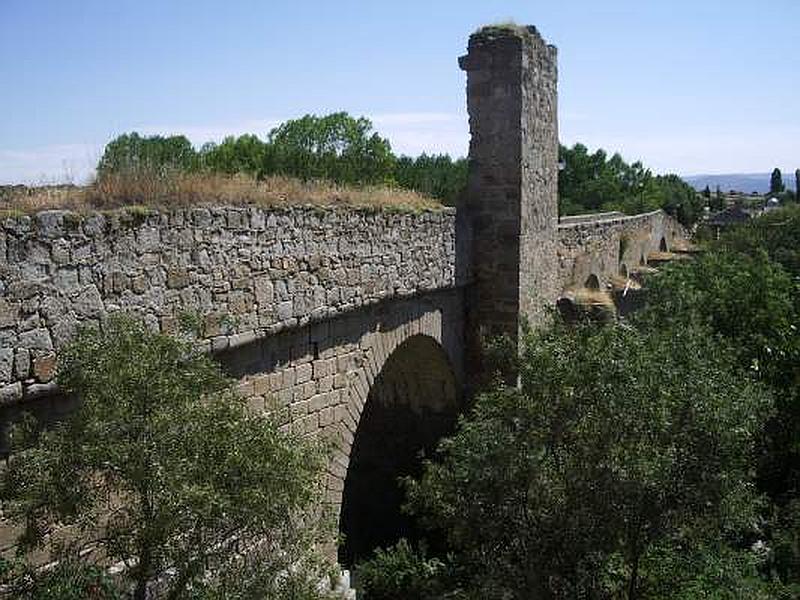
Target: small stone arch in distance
[(592, 282)]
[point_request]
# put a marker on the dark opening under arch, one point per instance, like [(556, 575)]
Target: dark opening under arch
[(412, 404), (592, 282), (662, 245)]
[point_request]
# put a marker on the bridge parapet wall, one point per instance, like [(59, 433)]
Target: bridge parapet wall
[(611, 244), (237, 274)]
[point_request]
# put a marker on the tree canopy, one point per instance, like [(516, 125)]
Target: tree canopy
[(619, 448), (776, 185), (347, 150), (591, 182), (163, 470), (132, 152)]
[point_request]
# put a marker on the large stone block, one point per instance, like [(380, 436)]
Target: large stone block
[(37, 339), (88, 303), (6, 364)]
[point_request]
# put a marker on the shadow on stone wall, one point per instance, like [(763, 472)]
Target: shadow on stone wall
[(413, 403)]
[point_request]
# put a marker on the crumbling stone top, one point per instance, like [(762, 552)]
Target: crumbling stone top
[(501, 41), (505, 30)]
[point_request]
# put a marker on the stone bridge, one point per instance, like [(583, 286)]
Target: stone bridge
[(360, 325)]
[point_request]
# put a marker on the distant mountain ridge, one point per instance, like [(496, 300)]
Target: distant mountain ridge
[(740, 182)]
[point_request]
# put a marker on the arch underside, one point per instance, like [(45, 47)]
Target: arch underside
[(411, 405), (398, 362)]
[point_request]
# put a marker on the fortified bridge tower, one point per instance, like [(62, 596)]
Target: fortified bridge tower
[(512, 198)]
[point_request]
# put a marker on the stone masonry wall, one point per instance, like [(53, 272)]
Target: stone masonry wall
[(237, 273), (317, 378), (511, 198), (538, 285), (612, 244)]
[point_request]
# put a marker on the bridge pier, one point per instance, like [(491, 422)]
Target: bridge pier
[(511, 199)]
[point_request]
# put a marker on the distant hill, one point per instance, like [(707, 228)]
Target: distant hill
[(740, 182)]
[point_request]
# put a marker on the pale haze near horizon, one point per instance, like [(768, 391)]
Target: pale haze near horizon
[(689, 87)]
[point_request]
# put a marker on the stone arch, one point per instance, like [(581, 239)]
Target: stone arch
[(411, 404), (662, 245), (592, 282)]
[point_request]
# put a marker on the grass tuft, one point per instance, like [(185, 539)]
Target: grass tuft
[(594, 298), (506, 27)]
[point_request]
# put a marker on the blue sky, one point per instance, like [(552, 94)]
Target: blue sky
[(690, 86)]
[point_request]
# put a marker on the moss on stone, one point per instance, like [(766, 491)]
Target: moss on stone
[(509, 27)]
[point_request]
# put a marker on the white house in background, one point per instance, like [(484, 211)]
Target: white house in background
[(771, 204)]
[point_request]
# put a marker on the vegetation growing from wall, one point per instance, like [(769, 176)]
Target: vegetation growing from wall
[(163, 471)]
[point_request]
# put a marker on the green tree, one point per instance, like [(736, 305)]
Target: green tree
[(246, 154), (163, 469), (776, 185), (594, 182), (707, 193), (337, 147), (401, 573), (69, 579), (797, 185), (616, 445), (718, 202), (438, 176), (745, 289), (131, 152), (751, 302)]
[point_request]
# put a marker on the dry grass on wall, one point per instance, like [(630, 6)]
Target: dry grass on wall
[(193, 189)]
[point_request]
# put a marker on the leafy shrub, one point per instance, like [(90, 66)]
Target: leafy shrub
[(66, 580), (399, 573), (615, 442), (163, 468)]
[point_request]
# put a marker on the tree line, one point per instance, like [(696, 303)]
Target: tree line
[(593, 182), (347, 150), (335, 147)]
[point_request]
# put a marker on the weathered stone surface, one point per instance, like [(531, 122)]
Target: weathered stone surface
[(51, 223), (6, 364), (511, 196), (305, 305), (247, 272), (10, 393), (22, 364), (88, 303), (177, 277), (9, 313), (612, 244), (44, 367), (37, 339)]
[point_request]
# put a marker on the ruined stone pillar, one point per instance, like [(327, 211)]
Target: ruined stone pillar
[(511, 198)]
